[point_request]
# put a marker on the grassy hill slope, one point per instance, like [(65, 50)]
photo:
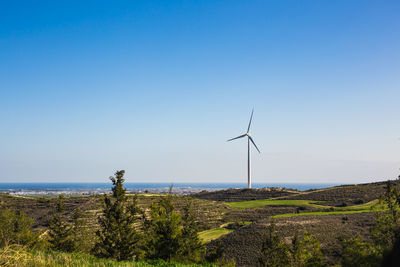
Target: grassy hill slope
[(347, 211)]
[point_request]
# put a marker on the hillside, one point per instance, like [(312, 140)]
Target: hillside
[(236, 219), (243, 194), (243, 245), (345, 194)]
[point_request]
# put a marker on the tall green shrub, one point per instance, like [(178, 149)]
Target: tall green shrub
[(302, 252), (191, 247), (305, 251), (118, 237), (275, 253), (360, 253), (16, 228), (164, 231), (83, 235), (60, 231)]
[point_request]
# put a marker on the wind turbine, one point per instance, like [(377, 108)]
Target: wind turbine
[(249, 139)]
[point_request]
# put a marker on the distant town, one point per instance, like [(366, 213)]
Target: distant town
[(95, 191)]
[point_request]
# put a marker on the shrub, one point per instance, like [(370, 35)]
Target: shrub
[(16, 228), (274, 251), (164, 231), (60, 232), (305, 252), (117, 236), (343, 204), (359, 253), (172, 236), (302, 252), (191, 247), (358, 202)]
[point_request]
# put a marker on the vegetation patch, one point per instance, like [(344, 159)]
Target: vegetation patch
[(17, 256), (346, 194), (320, 213), (243, 194), (212, 234), (372, 205), (269, 202)]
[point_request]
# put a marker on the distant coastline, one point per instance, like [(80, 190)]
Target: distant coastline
[(178, 188)]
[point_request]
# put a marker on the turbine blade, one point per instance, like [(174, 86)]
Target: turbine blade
[(251, 117), (240, 136), (251, 139)]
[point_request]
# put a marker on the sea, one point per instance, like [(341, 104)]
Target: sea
[(180, 188)]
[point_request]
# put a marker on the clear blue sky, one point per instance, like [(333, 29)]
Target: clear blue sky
[(157, 87)]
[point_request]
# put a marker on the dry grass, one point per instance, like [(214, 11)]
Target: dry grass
[(17, 256)]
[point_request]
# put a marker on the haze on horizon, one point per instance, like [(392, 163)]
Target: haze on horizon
[(157, 87)]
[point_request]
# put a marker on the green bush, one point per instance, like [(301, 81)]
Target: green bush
[(118, 237), (359, 253), (301, 253), (16, 228), (60, 232)]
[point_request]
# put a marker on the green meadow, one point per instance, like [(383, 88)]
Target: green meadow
[(271, 202), (319, 213), (209, 235), (371, 206)]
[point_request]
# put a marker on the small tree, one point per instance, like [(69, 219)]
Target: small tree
[(82, 236), (359, 253), (165, 231), (60, 232), (117, 236), (275, 252), (386, 227), (191, 247), (302, 252), (16, 228), (305, 252)]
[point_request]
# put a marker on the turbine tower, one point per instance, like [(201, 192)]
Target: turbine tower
[(249, 139)]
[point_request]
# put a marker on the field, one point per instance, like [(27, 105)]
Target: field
[(272, 202), (319, 213), (212, 234), (237, 222), (324, 209)]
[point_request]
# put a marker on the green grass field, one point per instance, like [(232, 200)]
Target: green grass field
[(371, 206), (271, 202), (209, 235), (299, 203), (374, 204), (320, 213)]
